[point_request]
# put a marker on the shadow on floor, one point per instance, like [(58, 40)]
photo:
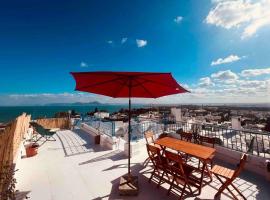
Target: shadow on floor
[(149, 191), (22, 195), (77, 142), (114, 156)]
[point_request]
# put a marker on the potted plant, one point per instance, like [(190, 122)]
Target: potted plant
[(31, 149)]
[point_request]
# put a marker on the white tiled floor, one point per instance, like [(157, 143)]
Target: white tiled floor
[(74, 168)]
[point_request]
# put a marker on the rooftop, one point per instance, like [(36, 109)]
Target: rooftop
[(73, 167)]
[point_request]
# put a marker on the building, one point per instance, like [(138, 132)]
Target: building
[(176, 112), (101, 115), (236, 123)]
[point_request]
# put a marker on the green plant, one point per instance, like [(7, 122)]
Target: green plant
[(8, 183)]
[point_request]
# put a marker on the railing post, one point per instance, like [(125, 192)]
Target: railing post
[(113, 128)]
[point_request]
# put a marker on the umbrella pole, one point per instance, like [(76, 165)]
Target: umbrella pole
[(129, 131), (129, 185)]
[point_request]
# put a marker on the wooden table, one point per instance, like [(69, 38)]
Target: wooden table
[(201, 152)]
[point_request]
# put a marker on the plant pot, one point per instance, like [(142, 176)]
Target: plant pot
[(97, 139), (31, 150)]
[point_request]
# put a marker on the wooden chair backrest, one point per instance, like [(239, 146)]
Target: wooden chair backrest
[(240, 167), (186, 136), (175, 163), (207, 140), (149, 137), (179, 131), (154, 154)]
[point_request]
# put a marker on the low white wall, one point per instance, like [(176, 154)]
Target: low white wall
[(135, 147), (92, 131), (106, 141)]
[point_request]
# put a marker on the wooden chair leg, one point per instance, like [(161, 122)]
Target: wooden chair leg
[(146, 162), (209, 173), (160, 179), (221, 189), (171, 186), (152, 175), (190, 190), (183, 190), (225, 185)]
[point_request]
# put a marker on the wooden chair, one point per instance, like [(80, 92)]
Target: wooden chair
[(158, 163), (149, 137), (229, 175), (180, 173), (186, 136), (211, 141)]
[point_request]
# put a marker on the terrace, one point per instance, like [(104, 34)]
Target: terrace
[(73, 167)]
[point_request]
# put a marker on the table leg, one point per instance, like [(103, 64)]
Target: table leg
[(201, 179), (163, 150)]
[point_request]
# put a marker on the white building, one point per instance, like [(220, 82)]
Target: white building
[(176, 112), (101, 114), (236, 123)]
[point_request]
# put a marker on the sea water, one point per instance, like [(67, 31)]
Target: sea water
[(10, 112)]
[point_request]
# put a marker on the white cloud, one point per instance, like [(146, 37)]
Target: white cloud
[(141, 43), (227, 75), (83, 64), (250, 15), (220, 87), (205, 82), (178, 19), (109, 41), (229, 59), (124, 40), (255, 72)]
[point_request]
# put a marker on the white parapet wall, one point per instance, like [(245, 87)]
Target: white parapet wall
[(89, 129), (135, 147), (115, 143), (106, 141)]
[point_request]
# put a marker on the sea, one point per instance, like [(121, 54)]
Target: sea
[(9, 113)]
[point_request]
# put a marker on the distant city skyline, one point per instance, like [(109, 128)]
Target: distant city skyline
[(217, 49)]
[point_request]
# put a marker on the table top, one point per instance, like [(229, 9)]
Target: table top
[(196, 150)]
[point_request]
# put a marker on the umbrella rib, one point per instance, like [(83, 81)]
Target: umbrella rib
[(145, 89), (138, 83), (100, 83), (163, 84), (120, 88)]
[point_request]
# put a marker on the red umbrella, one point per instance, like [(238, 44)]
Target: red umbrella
[(127, 85)]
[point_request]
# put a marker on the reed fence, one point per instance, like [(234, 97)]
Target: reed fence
[(10, 140), (62, 123)]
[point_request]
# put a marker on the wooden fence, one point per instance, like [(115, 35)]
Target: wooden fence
[(10, 140), (62, 123)]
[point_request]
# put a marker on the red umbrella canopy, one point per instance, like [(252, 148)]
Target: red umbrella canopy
[(127, 84)]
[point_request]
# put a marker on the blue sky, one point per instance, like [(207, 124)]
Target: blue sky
[(218, 49)]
